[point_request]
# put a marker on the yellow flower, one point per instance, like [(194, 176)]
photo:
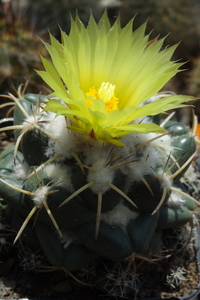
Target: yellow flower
[(104, 74)]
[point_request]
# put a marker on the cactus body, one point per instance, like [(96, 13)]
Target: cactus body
[(131, 215)]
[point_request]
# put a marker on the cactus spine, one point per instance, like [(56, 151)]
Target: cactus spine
[(104, 198)]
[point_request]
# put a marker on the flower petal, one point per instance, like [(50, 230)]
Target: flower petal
[(103, 55)]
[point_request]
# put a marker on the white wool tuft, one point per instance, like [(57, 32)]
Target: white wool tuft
[(162, 141), (191, 175), (148, 157), (120, 215), (30, 120), (97, 149), (67, 140), (40, 195), (166, 181), (191, 179), (20, 170), (61, 175), (101, 176), (175, 199), (37, 117)]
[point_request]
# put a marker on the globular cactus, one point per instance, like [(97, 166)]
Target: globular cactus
[(104, 197)]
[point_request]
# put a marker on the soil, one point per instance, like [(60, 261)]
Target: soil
[(16, 282)]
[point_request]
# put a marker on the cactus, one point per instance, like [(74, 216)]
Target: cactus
[(104, 198)]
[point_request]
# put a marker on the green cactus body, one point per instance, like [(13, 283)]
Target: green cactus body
[(94, 200), (94, 178)]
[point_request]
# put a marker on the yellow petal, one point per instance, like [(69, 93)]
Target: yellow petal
[(99, 57)]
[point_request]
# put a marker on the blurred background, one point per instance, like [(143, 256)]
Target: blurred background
[(24, 22)]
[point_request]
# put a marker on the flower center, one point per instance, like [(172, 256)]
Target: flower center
[(105, 93)]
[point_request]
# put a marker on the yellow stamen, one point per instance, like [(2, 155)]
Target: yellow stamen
[(105, 93)]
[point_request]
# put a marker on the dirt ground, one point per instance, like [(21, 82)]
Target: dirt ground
[(15, 283)]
